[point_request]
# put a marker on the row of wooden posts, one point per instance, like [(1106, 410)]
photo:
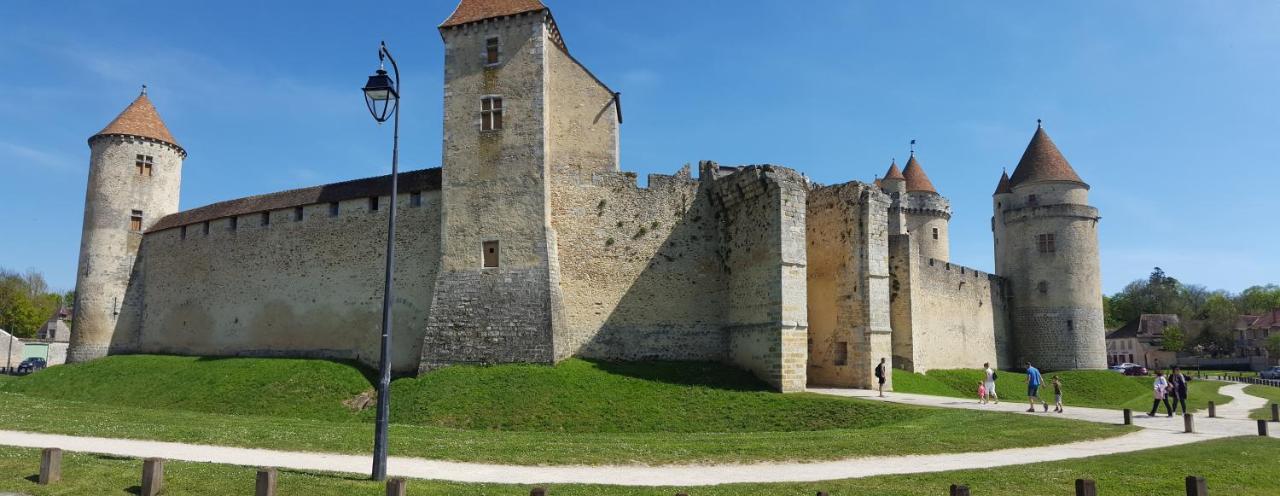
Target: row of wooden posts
[(153, 480), (1189, 420), (1250, 380)]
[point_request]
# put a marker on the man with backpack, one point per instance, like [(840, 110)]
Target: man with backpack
[(880, 374)]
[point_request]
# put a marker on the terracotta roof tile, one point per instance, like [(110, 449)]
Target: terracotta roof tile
[(917, 180), (140, 119), (1043, 162), (419, 180), (1003, 186), (893, 172), (469, 11)]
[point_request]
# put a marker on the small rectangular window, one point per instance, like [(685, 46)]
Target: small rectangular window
[(491, 51), (1071, 325), (373, 204), (1045, 243), (935, 233), (415, 199), (235, 221), (490, 253), (297, 214), (491, 113), (1033, 200), (135, 221), (182, 232), (333, 209), (842, 353), (206, 228), (266, 218)]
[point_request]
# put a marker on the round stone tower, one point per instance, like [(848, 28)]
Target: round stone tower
[(135, 169), (927, 213), (1046, 246)]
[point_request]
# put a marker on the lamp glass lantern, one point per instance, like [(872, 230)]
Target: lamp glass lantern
[(381, 96)]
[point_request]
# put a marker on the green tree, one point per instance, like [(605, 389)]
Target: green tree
[(1173, 339), (1260, 299)]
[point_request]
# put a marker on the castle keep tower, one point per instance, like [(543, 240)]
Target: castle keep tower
[(1046, 245), (918, 209), (135, 170)]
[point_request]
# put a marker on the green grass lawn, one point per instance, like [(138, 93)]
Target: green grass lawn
[(577, 412), (1087, 388), (1272, 394), (1158, 471)]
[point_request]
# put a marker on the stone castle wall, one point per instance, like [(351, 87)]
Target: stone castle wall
[(848, 284), (308, 288), (946, 316)]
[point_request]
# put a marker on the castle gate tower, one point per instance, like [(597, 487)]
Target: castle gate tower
[(1046, 246), (135, 171), (927, 214), (496, 297)]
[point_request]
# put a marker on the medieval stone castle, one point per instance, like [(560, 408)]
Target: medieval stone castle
[(530, 245)]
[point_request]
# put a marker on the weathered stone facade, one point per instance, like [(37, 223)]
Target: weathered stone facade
[(530, 245)]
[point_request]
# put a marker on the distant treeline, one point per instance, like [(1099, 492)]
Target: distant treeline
[(26, 302)]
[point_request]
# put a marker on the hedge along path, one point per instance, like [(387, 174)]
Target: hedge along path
[(1157, 431)]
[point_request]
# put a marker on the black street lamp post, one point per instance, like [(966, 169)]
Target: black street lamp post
[(382, 95)]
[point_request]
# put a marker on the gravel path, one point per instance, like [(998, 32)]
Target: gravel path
[(1157, 431)]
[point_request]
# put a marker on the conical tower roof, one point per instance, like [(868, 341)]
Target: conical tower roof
[(140, 119), (893, 172), (469, 11), (917, 180), (1003, 186), (1043, 162)]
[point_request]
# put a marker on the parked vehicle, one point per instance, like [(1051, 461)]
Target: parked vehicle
[(1121, 367), (1271, 373), (1136, 370), (31, 365)]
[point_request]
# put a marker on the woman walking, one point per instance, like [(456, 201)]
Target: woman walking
[(1178, 386), (990, 382), (1160, 390)]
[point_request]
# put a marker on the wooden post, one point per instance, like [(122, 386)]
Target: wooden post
[(1196, 486), (1086, 487), (1128, 416), (538, 491), (1262, 427), (1213, 410), (1188, 423), (50, 466), (152, 476), (1275, 412), (266, 485), (959, 490), (397, 486)]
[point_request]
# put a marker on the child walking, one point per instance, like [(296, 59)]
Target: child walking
[(1057, 394), (982, 393)]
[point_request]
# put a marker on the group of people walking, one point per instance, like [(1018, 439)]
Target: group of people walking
[(1173, 387)]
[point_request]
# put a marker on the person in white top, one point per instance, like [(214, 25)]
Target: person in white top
[(990, 382), (1160, 391)]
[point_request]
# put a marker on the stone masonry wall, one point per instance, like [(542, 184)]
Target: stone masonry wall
[(848, 287), (308, 288), (946, 316), (761, 212), (639, 267)]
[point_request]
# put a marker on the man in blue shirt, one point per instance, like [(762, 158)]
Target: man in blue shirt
[(1033, 388)]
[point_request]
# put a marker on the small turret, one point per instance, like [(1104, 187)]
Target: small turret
[(135, 170), (927, 214), (893, 181)]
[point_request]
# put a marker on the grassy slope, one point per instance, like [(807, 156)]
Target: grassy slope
[(1161, 472), (1088, 388), (1270, 393), (579, 412)]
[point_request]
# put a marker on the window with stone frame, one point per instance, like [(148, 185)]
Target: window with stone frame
[(842, 353), (145, 164), (491, 254), (297, 214), (373, 204), (135, 221), (415, 199), (491, 113), (492, 51), (935, 233), (1045, 243)]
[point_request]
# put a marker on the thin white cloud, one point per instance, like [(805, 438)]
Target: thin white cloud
[(15, 157)]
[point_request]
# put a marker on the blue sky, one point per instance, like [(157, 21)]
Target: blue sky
[(1167, 108)]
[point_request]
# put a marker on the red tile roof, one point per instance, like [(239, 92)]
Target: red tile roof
[(140, 119), (917, 180), (1003, 186), (893, 172), (469, 11), (1043, 162)]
